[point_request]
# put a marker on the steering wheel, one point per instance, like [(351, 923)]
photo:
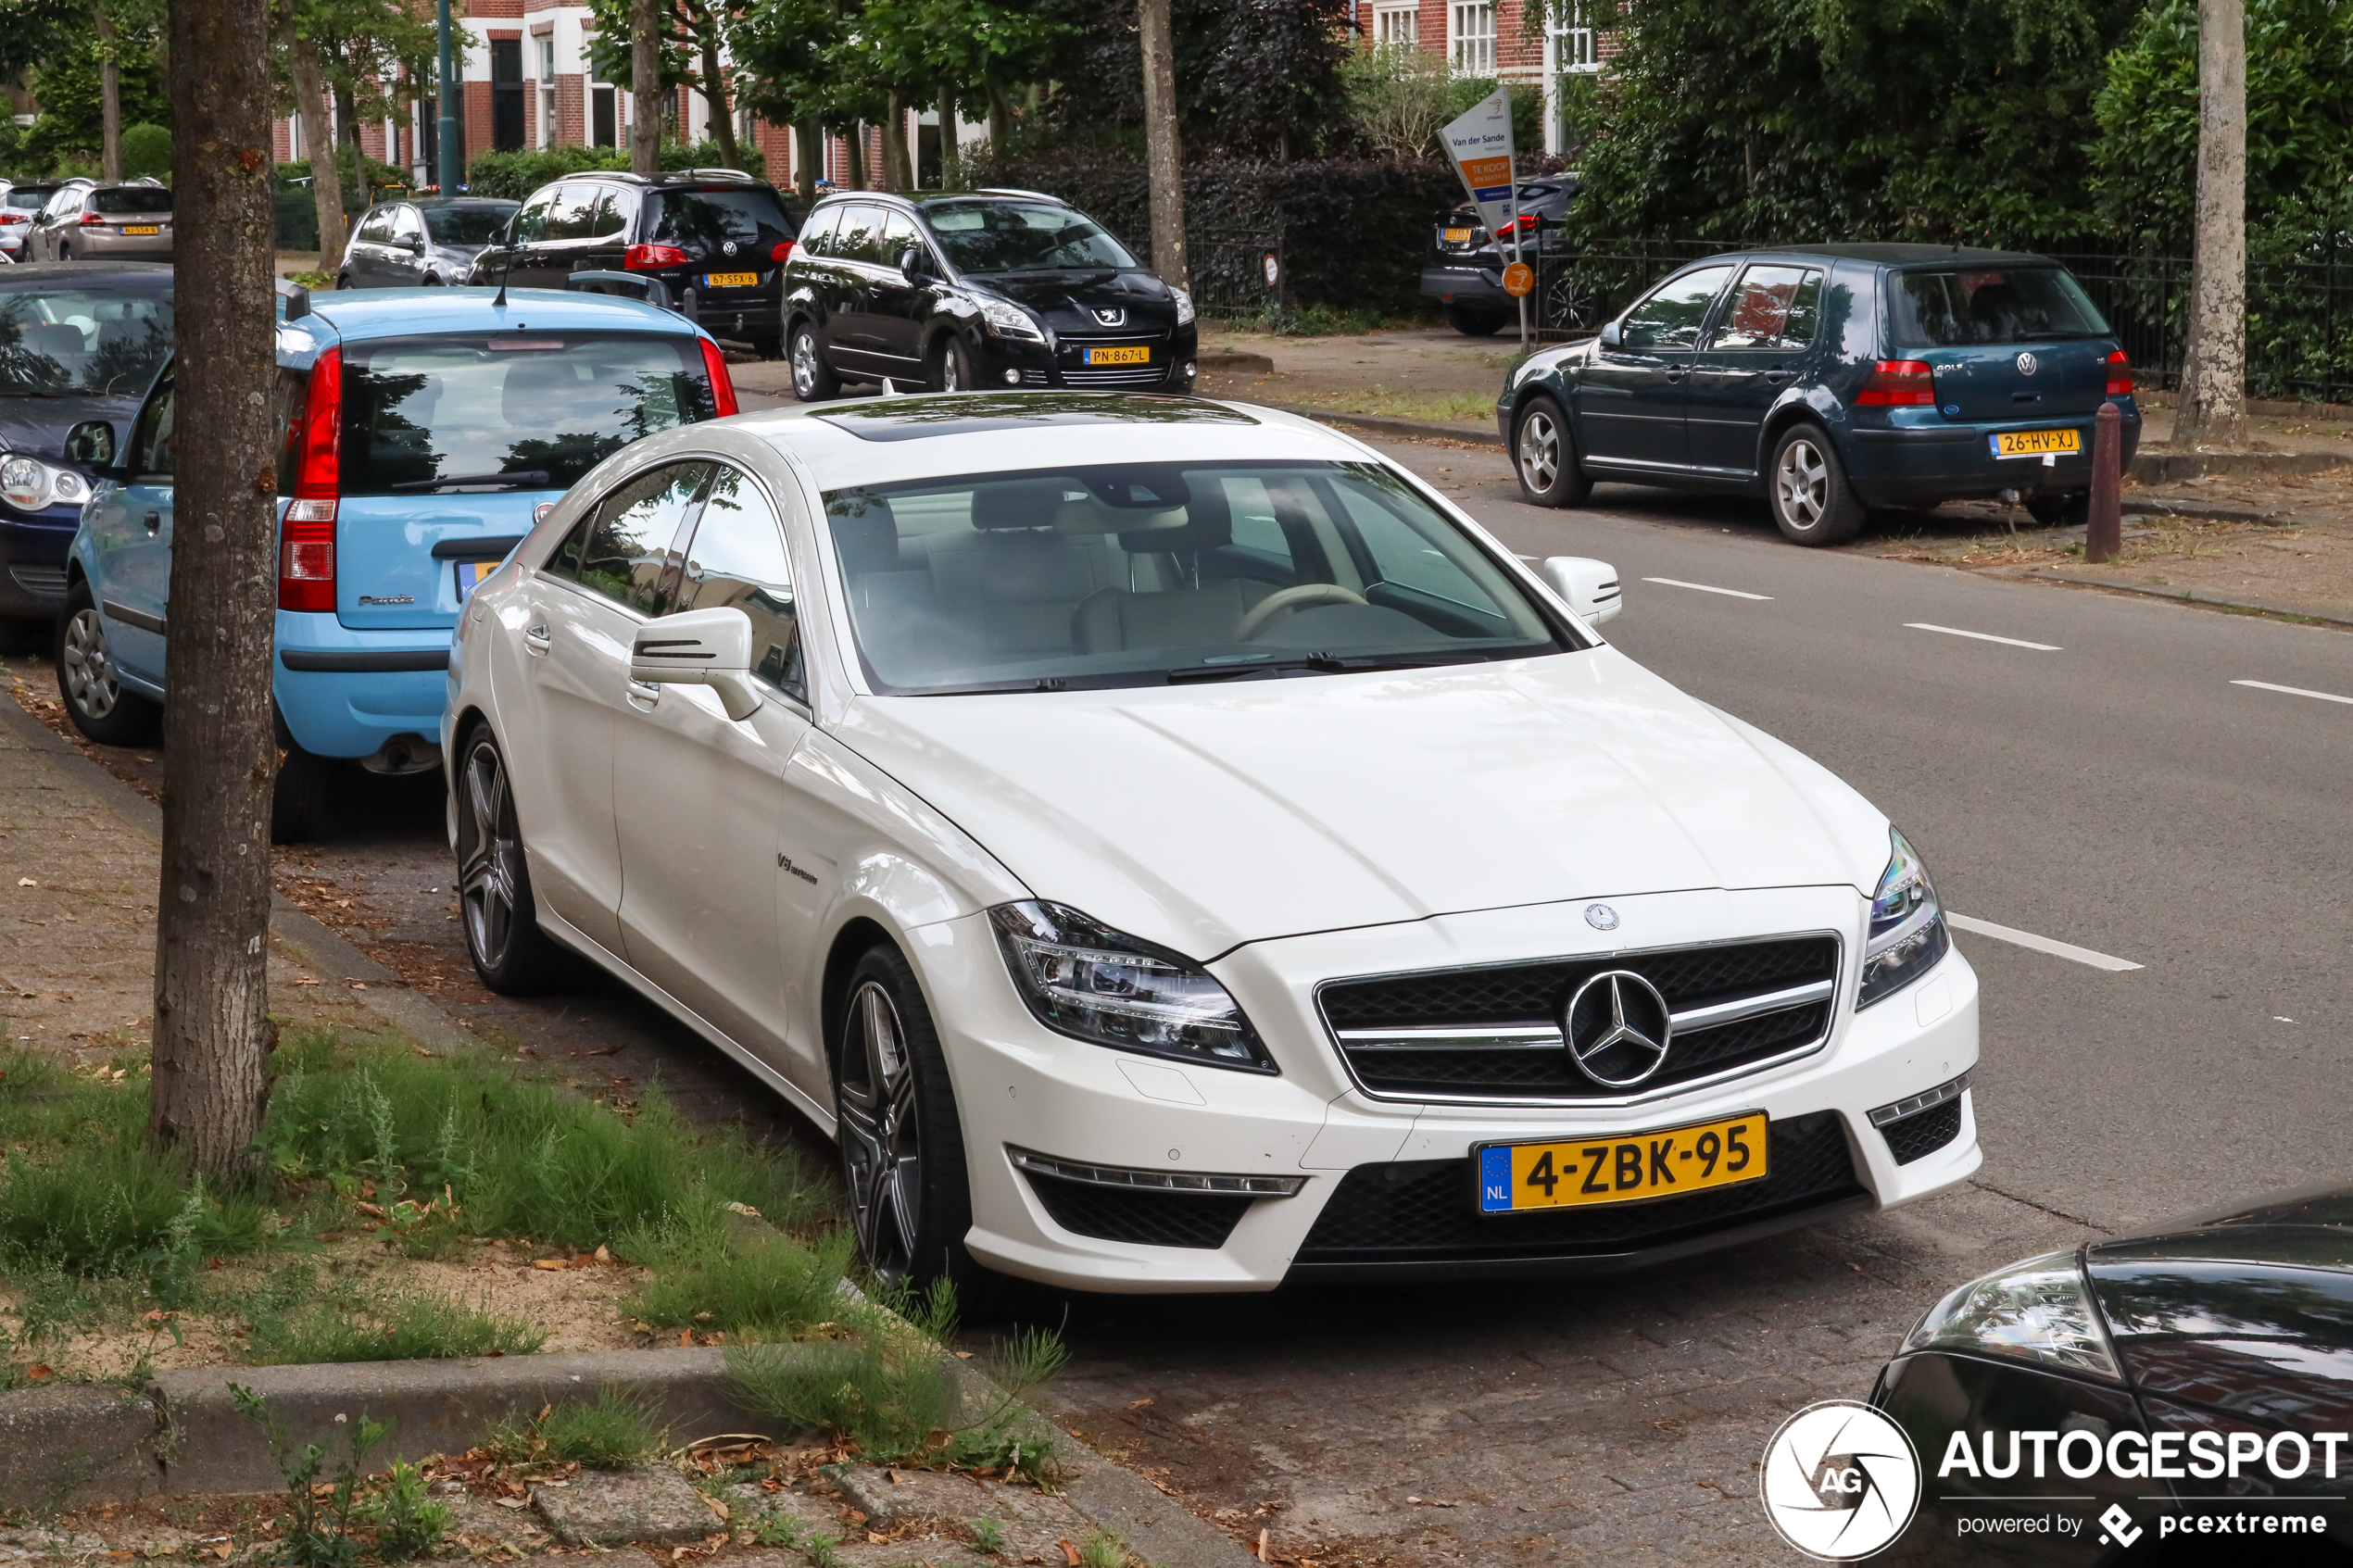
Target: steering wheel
[(1262, 615)]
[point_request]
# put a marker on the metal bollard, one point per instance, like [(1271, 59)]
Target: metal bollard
[(2104, 532)]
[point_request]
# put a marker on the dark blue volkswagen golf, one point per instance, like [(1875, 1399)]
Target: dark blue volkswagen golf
[(1832, 378)]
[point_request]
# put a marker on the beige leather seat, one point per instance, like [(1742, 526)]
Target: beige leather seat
[(1203, 611)]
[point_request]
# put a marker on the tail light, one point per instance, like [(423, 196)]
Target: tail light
[(307, 541), (96, 220), (644, 258), (1526, 224), (780, 251), (2119, 374), (1898, 383), (13, 217), (723, 386)]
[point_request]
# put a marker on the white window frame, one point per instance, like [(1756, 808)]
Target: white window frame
[(1397, 25), (1576, 41), (1470, 37), (544, 61)]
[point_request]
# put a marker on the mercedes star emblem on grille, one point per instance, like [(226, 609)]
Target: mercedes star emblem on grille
[(2026, 364), (1601, 917), (1618, 1026)]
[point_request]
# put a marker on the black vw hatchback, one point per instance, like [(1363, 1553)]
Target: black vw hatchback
[(2151, 1393), (959, 291)]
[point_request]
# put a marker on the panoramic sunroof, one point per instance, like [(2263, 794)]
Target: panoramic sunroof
[(912, 419)]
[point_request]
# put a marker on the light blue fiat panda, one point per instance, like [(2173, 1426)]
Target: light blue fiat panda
[(427, 431)]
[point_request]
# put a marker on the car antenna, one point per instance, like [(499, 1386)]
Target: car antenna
[(890, 390), (500, 302)]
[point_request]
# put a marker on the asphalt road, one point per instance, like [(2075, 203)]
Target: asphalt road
[(2113, 790)]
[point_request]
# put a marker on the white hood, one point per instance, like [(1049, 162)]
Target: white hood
[(1204, 817)]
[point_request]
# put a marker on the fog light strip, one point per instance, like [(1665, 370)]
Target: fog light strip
[(1920, 1102), (1156, 1181)]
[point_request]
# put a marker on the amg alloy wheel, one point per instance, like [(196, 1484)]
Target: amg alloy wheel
[(511, 954), (882, 1148)]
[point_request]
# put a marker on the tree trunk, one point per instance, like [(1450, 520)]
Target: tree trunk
[(318, 143), (109, 98), (714, 92), (1000, 121), (2213, 403), (952, 161), (896, 175), (212, 1033), (854, 141), (645, 87), (810, 140), (1164, 155)]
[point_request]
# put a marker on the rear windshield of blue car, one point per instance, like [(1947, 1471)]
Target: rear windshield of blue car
[(517, 410), (83, 338), (1958, 306)]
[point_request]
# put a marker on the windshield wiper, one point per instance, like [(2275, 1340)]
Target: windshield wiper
[(1340, 664), (520, 479)]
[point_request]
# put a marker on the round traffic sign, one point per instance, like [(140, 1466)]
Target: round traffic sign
[(1518, 279)]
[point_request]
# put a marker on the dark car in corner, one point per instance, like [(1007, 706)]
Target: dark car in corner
[(1832, 380), (80, 344), (714, 239), (405, 245), (959, 291), (1464, 269), (2207, 1361)]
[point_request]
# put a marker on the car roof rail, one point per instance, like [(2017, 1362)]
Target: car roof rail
[(1007, 190), (713, 174)]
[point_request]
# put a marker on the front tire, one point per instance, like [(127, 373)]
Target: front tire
[(902, 1145), (953, 369), (1806, 484), (510, 953), (99, 705), (342, 281), (1546, 459), (812, 380)]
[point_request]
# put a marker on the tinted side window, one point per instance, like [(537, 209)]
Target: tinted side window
[(606, 214), (1775, 307), (738, 560), (622, 549), (405, 224), (531, 222), (898, 233), (376, 226), (574, 206), (1672, 317), (859, 237), (817, 234), (151, 437)]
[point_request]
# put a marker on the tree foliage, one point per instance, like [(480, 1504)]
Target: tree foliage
[(1254, 77)]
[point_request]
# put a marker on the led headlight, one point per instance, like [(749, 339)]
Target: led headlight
[(1085, 980), (2035, 1311), (1007, 320), (29, 484), (1907, 933), (1184, 306)]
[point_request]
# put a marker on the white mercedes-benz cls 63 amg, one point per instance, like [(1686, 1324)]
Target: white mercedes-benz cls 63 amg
[(1170, 848)]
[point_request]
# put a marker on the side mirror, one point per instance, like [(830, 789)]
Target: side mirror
[(413, 243), (700, 647), (914, 263), (1611, 336), (91, 444), (1587, 586)]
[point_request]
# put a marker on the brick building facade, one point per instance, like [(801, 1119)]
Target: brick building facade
[(1494, 38)]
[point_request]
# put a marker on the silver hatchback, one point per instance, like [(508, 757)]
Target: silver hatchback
[(104, 222)]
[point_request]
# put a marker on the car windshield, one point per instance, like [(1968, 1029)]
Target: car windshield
[(1166, 573), (1003, 236), (746, 215), (467, 225), (470, 409), (86, 339), (138, 198), (30, 198), (1953, 307)]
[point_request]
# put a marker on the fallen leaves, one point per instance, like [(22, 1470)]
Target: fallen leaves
[(1070, 1554)]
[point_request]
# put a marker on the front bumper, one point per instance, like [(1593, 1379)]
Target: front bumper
[(1017, 362), (1387, 1188), (32, 559), (1919, 458), (344, 692)]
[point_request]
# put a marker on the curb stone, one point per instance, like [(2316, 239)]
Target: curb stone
[(1382, 424), (76, 1443), (2184, 596)]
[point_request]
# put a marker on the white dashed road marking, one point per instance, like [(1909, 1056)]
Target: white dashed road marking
[(1985, 637), (2057, 950), (2293, 691), (1704, 588)]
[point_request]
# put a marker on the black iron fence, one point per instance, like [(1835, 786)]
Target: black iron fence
[(1237, 274)]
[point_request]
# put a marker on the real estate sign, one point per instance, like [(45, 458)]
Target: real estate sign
[(1481, 145)]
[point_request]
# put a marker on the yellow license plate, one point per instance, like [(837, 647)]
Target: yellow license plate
[(1569, 1173), (1458, 237), (143, 228), (2034, 443), (470, 574), (1119, 357), (730, 280)]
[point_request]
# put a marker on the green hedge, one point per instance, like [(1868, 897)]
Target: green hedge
[(1353, 231)]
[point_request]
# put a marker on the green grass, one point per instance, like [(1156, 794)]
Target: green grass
[(610, 1433), (766, 1290), (407, 1326)]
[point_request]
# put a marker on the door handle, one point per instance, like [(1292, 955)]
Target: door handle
[(1777, 377), (1676, 372), (535, 639), (153, 520), (640, 691)]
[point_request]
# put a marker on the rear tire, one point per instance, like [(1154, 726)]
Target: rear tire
[(99, 705), (1546, 457), (2061, 511), (301, 799), (1472, 323), (343, 280), (812, 380), (1807, 487), (494, 906)]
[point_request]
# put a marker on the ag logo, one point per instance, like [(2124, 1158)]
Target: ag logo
[(1840, 1481)]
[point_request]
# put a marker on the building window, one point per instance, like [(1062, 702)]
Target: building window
[(546, 137), (1398, 25), (1577, 44), (1470, 43)]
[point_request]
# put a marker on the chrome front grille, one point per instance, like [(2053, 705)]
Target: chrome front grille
[(1119, 375), (1493, 1033)]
